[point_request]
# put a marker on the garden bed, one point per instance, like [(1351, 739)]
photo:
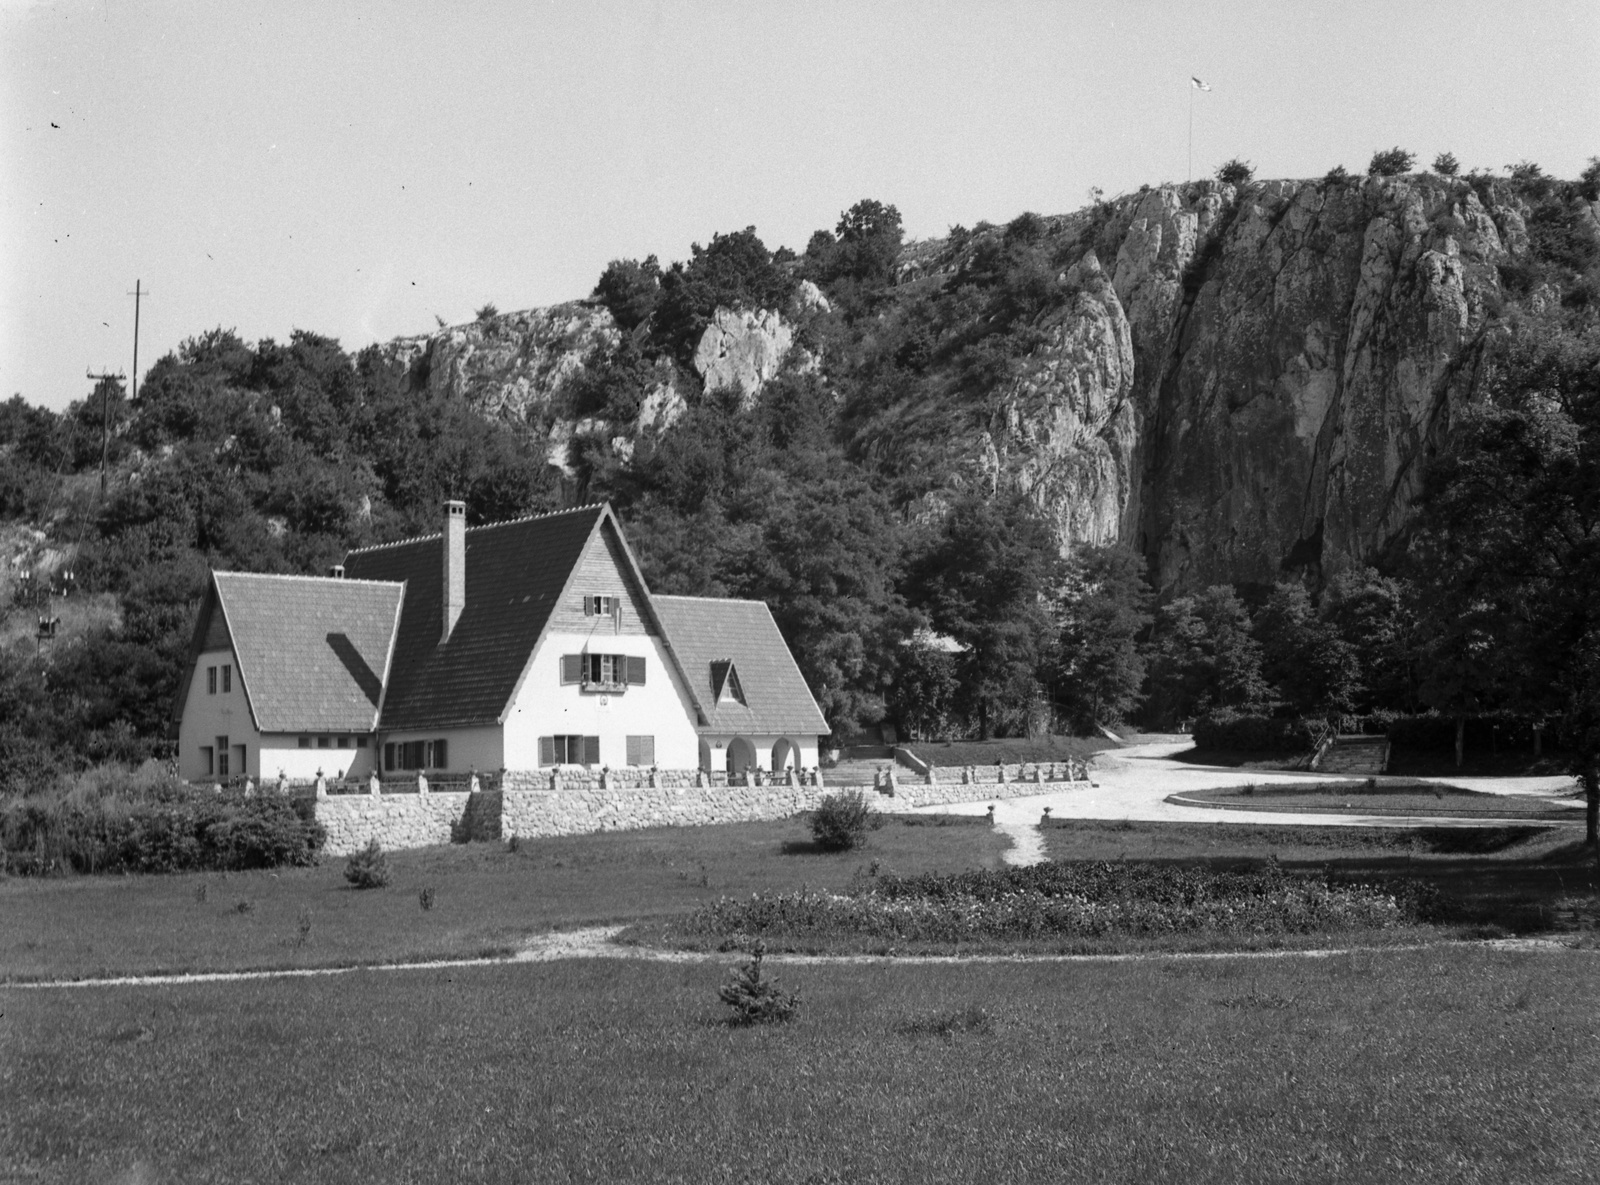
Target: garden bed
[(1083, 905)]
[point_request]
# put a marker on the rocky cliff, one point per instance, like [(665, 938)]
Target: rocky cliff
[(1243, 382)]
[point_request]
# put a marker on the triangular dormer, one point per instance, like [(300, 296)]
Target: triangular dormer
[(725, 686)]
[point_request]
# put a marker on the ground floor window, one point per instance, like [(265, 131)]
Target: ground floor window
[(222, 757), (569, 750), (641, 750), (416, 755)]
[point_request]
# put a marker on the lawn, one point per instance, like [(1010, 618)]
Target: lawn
[(487, 898), (1455, 1064), (1380, 797)]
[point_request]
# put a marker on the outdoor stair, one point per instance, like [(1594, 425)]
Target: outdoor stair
[(856, 771), (1358, 756)]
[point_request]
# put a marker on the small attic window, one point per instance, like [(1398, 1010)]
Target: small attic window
[(725, 684)]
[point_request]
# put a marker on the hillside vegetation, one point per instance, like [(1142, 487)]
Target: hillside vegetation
[(1167, 454)]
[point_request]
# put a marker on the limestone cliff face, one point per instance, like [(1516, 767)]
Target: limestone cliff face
[(742, 349), (1299, 347), (1065, 429), (1253, 389)]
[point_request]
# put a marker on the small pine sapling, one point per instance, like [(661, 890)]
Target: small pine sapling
[(1446, 164), (756, 1000), (368, 868)]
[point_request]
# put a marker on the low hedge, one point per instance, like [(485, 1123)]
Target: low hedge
[(179, 830), (1243, 732)]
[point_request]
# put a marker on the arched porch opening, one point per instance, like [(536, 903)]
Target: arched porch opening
[(785, 755), (705, 755), (741, 756)]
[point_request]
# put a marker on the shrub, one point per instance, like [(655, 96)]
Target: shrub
[(368, 868), (1235, 172), (756, 1000), (841, 820), (116, 820), (425, 898), (1446, 164), (1337, 175), (1391, 162), (487, 313), (1589, 181), (1244, 732)]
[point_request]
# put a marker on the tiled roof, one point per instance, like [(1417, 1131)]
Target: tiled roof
[(312, 651), (706, 630), (515, 574)]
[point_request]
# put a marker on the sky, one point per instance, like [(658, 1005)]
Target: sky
[(359, 170)]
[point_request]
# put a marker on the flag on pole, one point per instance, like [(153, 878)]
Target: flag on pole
[(1198, 85)]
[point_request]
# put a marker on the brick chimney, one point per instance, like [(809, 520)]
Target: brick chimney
[(455, 565)]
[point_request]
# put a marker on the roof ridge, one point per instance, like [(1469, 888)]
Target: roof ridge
[(526, 518), (719, 600), (304, 576)]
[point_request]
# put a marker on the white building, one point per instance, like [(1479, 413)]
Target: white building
[(521, 645)]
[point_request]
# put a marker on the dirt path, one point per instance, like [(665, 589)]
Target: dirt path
[(596, 943)]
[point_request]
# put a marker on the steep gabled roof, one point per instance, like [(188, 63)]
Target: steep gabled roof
[(313, 652), (711, 636), (516, 574)]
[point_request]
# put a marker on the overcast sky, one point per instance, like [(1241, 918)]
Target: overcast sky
[(358, 169)]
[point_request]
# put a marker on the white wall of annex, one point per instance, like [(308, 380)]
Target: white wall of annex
[(280, 751), (660, 708)]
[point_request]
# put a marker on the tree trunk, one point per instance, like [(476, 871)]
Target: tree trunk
[(1461, 738)]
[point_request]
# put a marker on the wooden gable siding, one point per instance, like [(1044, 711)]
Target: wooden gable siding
[(602, 571), (216, 631)]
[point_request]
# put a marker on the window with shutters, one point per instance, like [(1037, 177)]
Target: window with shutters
[(227, 677), (222, 757), (569, 750), (603, 672), (599, 605), (641, 750), (211, 680)]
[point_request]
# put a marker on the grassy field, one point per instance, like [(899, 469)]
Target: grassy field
[(487, 899), (1379, 797), (1460, 1064)]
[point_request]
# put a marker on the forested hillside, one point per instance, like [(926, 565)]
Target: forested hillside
[(1200, 446)]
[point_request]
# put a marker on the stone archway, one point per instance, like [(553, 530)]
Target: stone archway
[(784, 755), (741, 756)]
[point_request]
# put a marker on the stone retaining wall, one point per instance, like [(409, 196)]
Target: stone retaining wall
[(527, 806)]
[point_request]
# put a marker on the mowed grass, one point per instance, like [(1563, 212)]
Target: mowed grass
[(1451, 1064), (487, 899), (1380, 797)]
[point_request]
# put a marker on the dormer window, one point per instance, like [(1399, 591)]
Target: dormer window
[(725, 686)]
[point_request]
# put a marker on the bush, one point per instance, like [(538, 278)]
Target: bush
[(1337, 175), (368, 868), (757, 1001), (110, 820), (1235, 172), (1243, 732), (1446, 164), (841, 820), (1390, 163)]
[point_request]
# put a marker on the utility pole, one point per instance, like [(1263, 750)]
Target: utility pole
[(105, 380), (137, 294)]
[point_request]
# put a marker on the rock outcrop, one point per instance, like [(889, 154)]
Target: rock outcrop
[(743, 350)]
